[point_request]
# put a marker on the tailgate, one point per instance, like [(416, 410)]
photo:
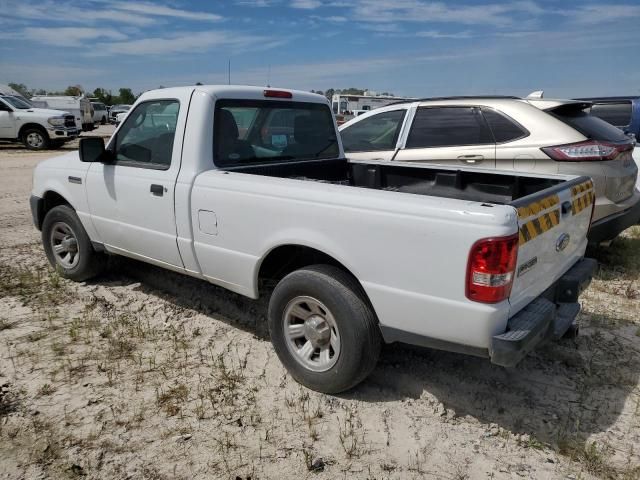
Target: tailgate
[(553, 226)]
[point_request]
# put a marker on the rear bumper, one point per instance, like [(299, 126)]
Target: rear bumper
[(610, 227), (547, 317)]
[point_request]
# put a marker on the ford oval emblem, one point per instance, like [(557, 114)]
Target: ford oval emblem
[(562, 242)]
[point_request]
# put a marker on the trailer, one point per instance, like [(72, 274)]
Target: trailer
[(346, 106)]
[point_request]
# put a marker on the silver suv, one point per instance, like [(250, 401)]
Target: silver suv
[(508, 133)]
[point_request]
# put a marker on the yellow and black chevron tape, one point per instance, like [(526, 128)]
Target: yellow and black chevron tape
[(537, 226), (581, 188), (537, 207), (582, 196)]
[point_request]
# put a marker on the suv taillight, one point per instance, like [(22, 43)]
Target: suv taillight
[(590, 151), (491, 268)]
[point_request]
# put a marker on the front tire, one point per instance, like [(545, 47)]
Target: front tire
[(68, 247), (323, 328), (35, 139)]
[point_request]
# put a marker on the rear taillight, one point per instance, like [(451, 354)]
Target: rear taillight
[(590, 151), (491, 267)]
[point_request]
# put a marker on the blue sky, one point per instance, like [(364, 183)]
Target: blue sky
[(409, 47)]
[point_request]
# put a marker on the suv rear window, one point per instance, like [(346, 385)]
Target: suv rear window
[(448, 126), (615, 113), (589, 125), (259, 131)]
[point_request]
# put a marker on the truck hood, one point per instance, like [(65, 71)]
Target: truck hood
[(41, 112)]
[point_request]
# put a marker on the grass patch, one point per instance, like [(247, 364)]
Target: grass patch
[(621, 259)]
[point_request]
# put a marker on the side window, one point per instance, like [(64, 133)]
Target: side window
[(448, 127), (146, 136), (378, 132), (503, 128)]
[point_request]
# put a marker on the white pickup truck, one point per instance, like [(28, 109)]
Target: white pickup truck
[(236, 185), (36, 128)]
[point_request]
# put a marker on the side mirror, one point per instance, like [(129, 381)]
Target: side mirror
[(92, 149)]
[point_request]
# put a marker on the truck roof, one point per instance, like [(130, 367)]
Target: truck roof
[(239, 92)]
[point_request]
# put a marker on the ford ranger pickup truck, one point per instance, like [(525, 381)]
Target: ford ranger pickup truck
[(246, 186)]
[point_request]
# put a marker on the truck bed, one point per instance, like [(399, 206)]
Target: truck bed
[(498, 188)]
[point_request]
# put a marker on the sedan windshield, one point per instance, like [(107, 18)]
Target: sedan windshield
[(17, 102)]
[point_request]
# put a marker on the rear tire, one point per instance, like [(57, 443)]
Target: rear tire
[(68, 247), (35, 138), (103, 121), (323, 328)]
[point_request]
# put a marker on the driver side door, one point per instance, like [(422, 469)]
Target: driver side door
[(131, 198)]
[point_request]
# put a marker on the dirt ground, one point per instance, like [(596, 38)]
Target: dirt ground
[(143, 373)]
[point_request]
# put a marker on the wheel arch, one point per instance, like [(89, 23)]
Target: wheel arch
[(50, 199), (283, 259), (27, 126)]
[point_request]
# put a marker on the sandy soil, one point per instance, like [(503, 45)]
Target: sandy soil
[(143, 373)]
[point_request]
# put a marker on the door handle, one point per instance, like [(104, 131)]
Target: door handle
[(157, 190), (471, 158)]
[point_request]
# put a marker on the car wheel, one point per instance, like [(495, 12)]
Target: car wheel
[(35, 139), (68, 247), (323, 328), (103, 121)]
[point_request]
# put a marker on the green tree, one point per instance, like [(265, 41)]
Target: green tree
[(104, 96), (74, 90), (126, 96), (329, 93), (21, 88)]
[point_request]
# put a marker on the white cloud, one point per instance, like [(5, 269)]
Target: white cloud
[(70, 36), (306, 4), (189, 42), (153, 9), (436, 34), (593, 14), (60, 11), (256, 3), (388, 11)]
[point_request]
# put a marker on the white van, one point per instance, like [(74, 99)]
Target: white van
[(80, 107), (100, 113)]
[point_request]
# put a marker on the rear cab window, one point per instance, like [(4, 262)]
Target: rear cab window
[(259, 131)]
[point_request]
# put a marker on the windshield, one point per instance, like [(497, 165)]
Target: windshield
[(122, 107), (17, 102), (258, 131)]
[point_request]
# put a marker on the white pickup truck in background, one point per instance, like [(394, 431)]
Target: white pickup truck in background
[(236, 185), (36, 128)]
